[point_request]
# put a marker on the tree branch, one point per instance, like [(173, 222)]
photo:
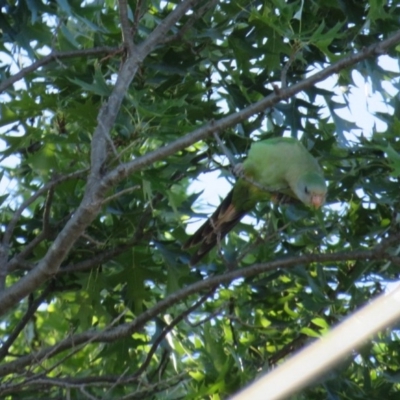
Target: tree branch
[(126, 329), (120, 193), (109, 254), (44, 234), (117, 380), (124, 170), (100, 381), (109, 111), (137, 16), (23, 321), (95, 189), (158, 35), (125, 25), (4, 246), (196, 15), (168, 329), (97, 259), (53, 56)]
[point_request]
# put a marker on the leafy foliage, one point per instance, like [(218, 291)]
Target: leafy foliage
[(119, 314)]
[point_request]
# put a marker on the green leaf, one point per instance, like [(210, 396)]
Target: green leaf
[(320, 322), (3, 198), (309, 332), (99, 85)]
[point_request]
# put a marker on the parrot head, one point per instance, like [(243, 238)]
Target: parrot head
[(311, 189)]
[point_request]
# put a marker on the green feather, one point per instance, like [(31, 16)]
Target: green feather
[(274, 166)]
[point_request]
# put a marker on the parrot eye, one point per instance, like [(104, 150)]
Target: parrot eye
[(306, 190)]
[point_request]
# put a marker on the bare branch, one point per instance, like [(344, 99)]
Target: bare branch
[(118, 380), (109, 111)]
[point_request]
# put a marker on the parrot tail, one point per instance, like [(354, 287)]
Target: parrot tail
[(225, 217)]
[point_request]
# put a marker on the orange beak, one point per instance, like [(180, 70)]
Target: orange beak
[(317, 200)]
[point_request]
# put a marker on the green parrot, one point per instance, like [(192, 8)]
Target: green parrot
[(279, 166)]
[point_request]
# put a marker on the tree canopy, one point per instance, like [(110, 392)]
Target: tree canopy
[(109, 112)]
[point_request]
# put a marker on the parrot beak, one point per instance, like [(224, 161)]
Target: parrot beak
[(317, 200)]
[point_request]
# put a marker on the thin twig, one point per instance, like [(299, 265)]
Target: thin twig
[(109, 254), (288, 349), (42, 383), (88, 395), (245, 324), (208, 318), (126, 27), (168, 329), (24, 320), (93, 241), (11, 226), (44, 234), (56, 30), (75, 349), (157, 387), (285, 69), (47, 208), (4, 245), (158, 35), (54, 56), (19, 259), (137, 17), (191, 21), (259, 239), (120, 193), (116, 383), (225, 150)]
